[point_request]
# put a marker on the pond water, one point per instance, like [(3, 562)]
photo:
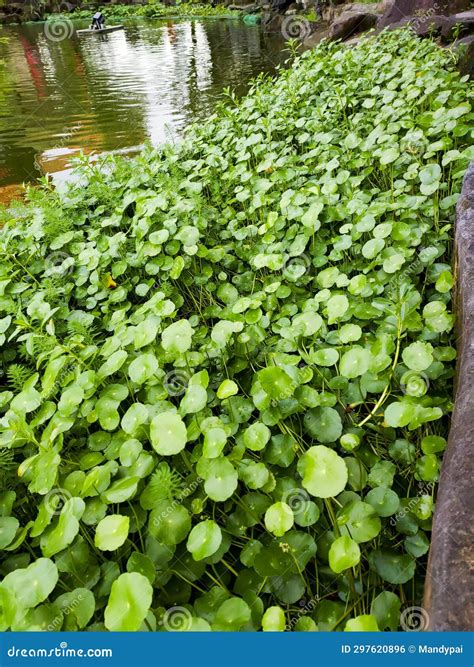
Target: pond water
[(103, 93)]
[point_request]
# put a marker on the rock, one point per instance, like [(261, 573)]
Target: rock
[(448, 600), (402, 9), (271, 22), (464, 15), (447, 27), (5, 19), (316, 37), (13, 8), (365, 8), (458, 25), (349, 24), (465, 51)]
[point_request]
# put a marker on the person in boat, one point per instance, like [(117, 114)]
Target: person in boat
[(98, 21)]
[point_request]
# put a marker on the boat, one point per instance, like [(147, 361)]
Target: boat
[(101, 31)]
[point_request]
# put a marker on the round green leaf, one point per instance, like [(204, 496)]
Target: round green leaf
[(364, 623), (227, 388), (204, 540), (220, 479), (276, 383), (214, 442), (323, 471), (8, 527), (111, 532), (384, 501), (168, 433), (336, 306), (136, 415), (349, 333), (325, 357), (418, 356), (32, 585), (177, 338), (399, 414), (273, 620), (194, 400), (323, 424), (355, 362), (129, 602), (343, 554), (279, 519), (233, 614), (169, 523), (361, 521), (386, 610), (393, 567), (143, 368), (256, 436)]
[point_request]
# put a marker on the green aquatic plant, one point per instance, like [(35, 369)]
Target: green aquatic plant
[(156, 11), (229, 375)]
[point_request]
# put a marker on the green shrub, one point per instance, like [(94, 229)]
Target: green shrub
[(228, 363), (155, 11)]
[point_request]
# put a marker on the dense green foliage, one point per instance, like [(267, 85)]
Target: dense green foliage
[(227, 364), (157, 10)]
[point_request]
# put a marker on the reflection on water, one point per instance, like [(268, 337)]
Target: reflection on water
[(101, 93)]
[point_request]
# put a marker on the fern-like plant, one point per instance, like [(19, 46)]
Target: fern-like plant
[(165, 484), (17, 375)]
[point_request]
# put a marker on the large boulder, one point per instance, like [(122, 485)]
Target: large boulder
[(365, 8), (271, 22), (446, 27), (448, 592), (465, 51), (401, 9), (349, 24)]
